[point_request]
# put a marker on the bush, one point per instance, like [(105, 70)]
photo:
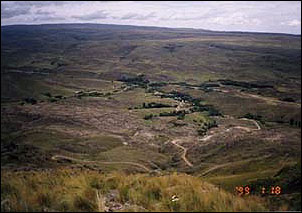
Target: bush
[(288, 99), (44, 199), (252, 116), (148, 117), (84, 204), (201, 131), (59, 96), (157, 84), (53, 100), (295, 123), (243, 84), (154, 105), (173, 113), (139, 81), (206, 126), (214, 112), (47, 94), (181, 116), (30, 100), (96, 183)]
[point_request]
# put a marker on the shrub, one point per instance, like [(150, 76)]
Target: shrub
[(214, 112), (148, 117), (85, 204), (96, 183), (30, 100), (47, 94), (173, 113), (139, 81), (206, 126), (154, 105), (201, 131), (288, 99), (124, 193), (53, 100), (59, 96), (181, 116), (44, 199), (252, 116)]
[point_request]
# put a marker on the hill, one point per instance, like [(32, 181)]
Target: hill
[(220, 107)]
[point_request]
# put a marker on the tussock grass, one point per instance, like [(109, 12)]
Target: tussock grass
[(75, 190)]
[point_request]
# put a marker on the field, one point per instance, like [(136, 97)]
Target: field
[(111, 109)]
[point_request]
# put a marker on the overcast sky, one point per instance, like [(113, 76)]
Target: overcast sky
[(261, 16)]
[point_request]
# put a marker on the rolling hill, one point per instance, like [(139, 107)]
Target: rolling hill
[(222, 109)]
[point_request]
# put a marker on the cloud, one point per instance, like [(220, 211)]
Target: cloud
[(43, 13), (38, 4), (138, 16), (101, 14), (42, 16), (256, 16), (7, 12), (48, 18), (235, 19), (294, 23)]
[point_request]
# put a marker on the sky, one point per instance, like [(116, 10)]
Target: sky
[(252, 16)]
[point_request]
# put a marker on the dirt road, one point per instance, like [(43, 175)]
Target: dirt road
[(183, 156), (258, 127), (255, 122), (232, 163), (268, 100), (208, 137)]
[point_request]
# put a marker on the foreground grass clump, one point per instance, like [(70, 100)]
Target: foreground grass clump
[(75, 190)]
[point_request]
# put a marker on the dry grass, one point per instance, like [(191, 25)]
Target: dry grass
[(75, 190)]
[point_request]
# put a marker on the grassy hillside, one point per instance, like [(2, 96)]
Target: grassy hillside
[(73, 190), (142, 103)]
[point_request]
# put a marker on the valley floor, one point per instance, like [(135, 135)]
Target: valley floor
[(107, 133)]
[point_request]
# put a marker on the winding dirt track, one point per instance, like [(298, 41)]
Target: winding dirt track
[(58, 157), (269, 100), (208, 137), (183, 156), (255, 122), (174, 142), (232, 163)]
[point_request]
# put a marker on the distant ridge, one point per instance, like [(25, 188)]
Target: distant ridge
[(138, 27)]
